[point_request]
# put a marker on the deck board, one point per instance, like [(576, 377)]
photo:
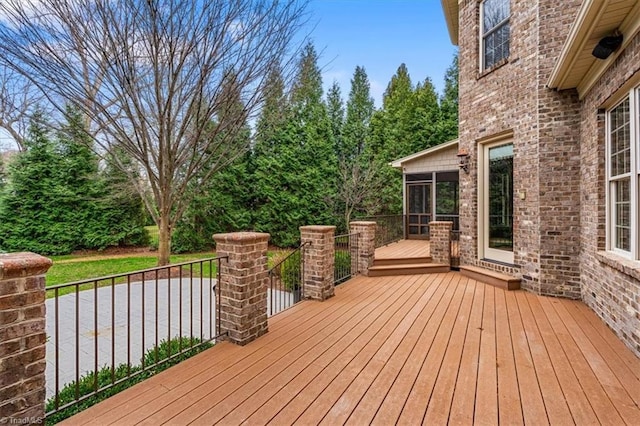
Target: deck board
[(404, 249), (424, 348)]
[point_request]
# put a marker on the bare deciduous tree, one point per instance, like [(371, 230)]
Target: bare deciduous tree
[(153, 78), (358, 184), (18, 101)]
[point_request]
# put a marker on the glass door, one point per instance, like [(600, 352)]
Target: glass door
[(419, 210), (498, 202)]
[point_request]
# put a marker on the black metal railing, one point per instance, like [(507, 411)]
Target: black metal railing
[(455, 249), (450, 218), (286, 285), (104, 331), (389, 229), (346, 257)]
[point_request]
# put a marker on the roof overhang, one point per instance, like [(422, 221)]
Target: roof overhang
[(451, 11), (399, 163), (576, 67)]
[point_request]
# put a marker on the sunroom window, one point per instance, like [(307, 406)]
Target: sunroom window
[(495, 31), (622, 177)]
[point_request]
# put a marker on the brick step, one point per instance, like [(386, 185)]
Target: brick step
[(408, 269), (389, 261), (487, 276)]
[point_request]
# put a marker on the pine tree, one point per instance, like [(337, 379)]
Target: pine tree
[(222, 203), (425, 119), (117, 210), (391, 138), (358, 177), (296, 168), (449, 101), (360, 108), (3, 174), (335, 110), (31, 216)]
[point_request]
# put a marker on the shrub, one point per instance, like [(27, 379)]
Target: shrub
[(342, 266), (290, 272), (104, 377)]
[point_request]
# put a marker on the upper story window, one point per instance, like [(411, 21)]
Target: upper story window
[(623, 173), (495, 32)]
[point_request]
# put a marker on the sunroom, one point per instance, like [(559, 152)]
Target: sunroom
[(430, 188)]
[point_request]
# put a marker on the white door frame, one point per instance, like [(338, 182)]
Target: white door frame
[(484, 251)]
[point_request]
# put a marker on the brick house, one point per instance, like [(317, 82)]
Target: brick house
[(552, 192)]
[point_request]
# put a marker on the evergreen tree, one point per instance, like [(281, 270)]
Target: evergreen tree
[(391, 138), (118, 214), (335, 110), (31, 216), (425, 119), (3, 174), (449, 101), (358, 177), (295, 173), (76, 190), (222, 203), (360, 108)]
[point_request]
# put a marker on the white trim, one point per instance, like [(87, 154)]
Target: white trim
[(451, 15), (484, 251), (629, 28), (633, 175), (589, 13), (584, 27), (399, 163)]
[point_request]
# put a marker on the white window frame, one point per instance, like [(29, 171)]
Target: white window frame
[(634, 176), (483, 35)]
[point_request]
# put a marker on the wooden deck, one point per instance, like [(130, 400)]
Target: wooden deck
[(404, 249), (414, 349), (410, 249)]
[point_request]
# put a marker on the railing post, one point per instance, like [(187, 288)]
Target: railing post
[(319, 261), (366, 232), (440, 242), (243, 285), (22, 337)]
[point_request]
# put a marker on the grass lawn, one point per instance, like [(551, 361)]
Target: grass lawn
[(65, 272), (73, 268)]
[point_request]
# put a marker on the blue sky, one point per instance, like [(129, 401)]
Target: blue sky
[(380, 35)]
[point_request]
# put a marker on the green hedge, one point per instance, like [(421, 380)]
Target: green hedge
[(86, 383)]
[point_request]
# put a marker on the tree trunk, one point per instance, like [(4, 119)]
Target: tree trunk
[(164, 242)]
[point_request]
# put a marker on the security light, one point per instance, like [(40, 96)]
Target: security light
[(607, 45)]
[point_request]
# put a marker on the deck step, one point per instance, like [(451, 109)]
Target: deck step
[(389, 261), (408, 269), (487, 276)]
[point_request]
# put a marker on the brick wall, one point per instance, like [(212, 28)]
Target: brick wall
[(512, 99), (610, 284), (440, 241), (366, 232), (243, 285), (319, 261), (22, 337)]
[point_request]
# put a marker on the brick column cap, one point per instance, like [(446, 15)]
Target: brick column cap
[(23, 264), (440, 222), (363, 223), (241, 237), (317, 228)]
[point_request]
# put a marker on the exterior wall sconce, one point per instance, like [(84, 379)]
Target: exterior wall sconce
[(463, 160), (607, 45)]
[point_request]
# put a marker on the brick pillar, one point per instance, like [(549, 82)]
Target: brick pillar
[(319, 261), (440, 242), (22, 337), (366, 244), (243, 285)]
